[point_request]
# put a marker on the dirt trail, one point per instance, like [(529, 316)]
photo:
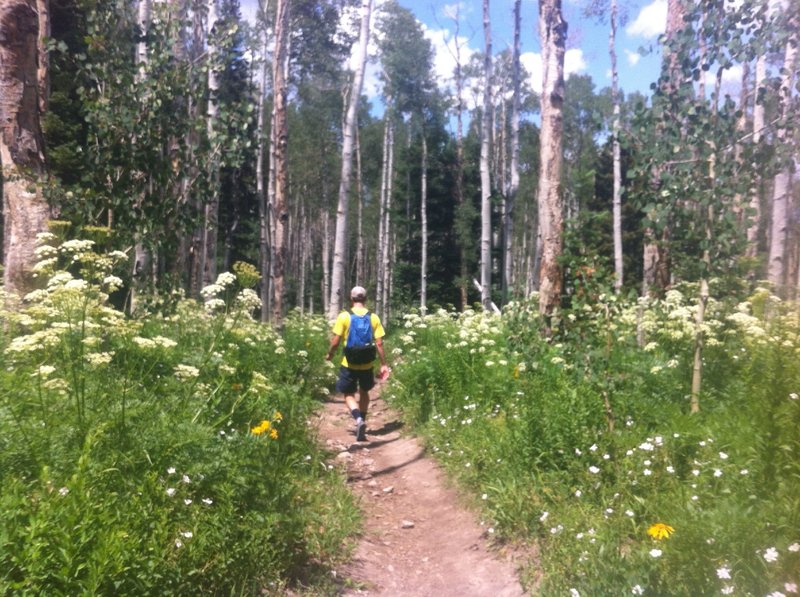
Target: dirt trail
[(418, 540)]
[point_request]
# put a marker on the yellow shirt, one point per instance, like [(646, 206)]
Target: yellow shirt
[(342, 327)]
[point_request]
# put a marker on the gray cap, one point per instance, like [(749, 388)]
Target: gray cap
[(359, 293)]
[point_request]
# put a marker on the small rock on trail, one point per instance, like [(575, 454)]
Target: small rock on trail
[(417, 539)]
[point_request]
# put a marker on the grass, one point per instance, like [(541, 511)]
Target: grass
[(583, 442)]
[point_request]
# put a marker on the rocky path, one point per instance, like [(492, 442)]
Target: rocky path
[(418, 539)]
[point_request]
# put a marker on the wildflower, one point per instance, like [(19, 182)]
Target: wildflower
[(670, 469), (724, 572), (578, 493), (790, 587), (717, 472), (187, 501), (637, 590), (776, 594), (794, 547), (171, 470), (574, 593), (261, 427), (655, 553), (647, 472), (186, 479), (273, 433), (793, 396), (593, 448), (207, 501), (594, 470), (63, 491), (771, 554), (727, 590), (186, 371), (187, 534), (629, 513), (723, 456), (170, 491), (647, 446), (544, 516), (178, 543), (660, 531)]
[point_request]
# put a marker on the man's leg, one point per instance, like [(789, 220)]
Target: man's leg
[(363, 402)]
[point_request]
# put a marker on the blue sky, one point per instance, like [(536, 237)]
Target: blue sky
[(587, 51)]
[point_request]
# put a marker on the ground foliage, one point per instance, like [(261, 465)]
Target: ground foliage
[(663, 502), (164, 455)]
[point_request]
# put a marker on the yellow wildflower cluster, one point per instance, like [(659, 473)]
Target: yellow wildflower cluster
[(660, 531), (266, 426)]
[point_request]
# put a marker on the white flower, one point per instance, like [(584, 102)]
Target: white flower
[(186, 371), (187, 534), (578, 493), (178, 543), (695, 498), (185, 479), (63, 491), (187, 501), (670, 469), (171, 470), (723, 572), (723, 456), (594, 470), (170, 491), (544, 516), (776, 594), (655, 553), (695, 472), (226, 279), (771, 554), (647, 472), (574, 593), (794, 547), (790, 587), (637, 590), (485, 496), (207, 501), (717, 472), (793, 396), (727, 590), (593, 448), (629, 513), (647, 446)]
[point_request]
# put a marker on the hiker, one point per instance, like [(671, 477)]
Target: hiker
[(363, 341)]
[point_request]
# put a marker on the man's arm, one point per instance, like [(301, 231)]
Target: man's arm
[(384, 372), (332, 348)]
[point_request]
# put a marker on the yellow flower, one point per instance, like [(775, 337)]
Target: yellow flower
[(261, 428), (277, 416), (660, 531), (273, 433), (516, 372)]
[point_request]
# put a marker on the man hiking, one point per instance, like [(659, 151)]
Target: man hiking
[(363, 341)]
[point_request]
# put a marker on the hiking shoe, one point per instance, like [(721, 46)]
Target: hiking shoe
[(361, 431)]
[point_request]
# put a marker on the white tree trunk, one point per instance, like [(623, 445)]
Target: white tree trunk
[(513, 181), (42, 71), (361, 275), (338, 278), (208, 247), (263, 206), (758, 132), (486, 190), (25, 212), (280, 156), (617, 166), (379, 293), (423, 292), (781, 194), (553, 34), (326, 259), (387, 253)]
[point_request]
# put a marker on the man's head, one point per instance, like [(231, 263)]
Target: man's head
[(358, 294)]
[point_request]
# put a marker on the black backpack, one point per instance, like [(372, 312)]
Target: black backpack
[(360, 346)]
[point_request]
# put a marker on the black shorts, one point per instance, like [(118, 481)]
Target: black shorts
[(352, 379)]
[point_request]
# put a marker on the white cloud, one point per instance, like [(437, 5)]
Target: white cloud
[(444, 48), (729, 75), (633, 57), (574, 63), (651, 21)]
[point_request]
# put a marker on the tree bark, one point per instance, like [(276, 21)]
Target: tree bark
[(758, 131), (460, 156), (25, 211), (342, 211), (43, 70), (486, 191), (553, 34), (617, 168), (781, 194), (208, 249), (263, 205), (280, 158), (423, 291), (513, 184)]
